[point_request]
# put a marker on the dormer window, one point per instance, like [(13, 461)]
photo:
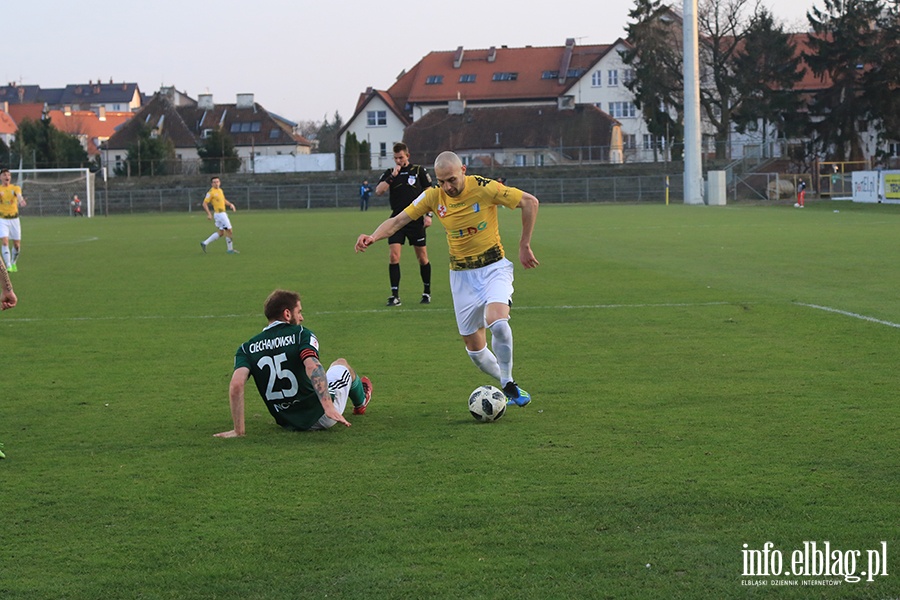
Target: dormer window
[(434, 80), (505, 76), (467, 78)]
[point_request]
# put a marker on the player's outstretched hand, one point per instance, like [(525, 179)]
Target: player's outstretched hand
[(228, 434), (8, 300), (526, 257), (363, 242), (332, 413)]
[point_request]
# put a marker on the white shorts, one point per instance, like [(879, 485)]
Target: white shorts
[(474, 289), (221, 220), (11, 228), (339, 382)]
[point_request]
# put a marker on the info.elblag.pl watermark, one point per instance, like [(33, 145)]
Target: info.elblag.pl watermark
[(813, 563)]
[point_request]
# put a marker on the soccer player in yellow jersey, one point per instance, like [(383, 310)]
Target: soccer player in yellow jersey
[(216, 197), (481, 278), (10, 201)]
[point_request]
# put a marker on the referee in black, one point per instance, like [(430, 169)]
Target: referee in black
[(405, 182)]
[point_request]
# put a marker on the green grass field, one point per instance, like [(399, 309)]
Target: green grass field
[(703, 378)]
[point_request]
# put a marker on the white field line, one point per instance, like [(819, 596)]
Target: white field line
[(849, 314), (6, 318)]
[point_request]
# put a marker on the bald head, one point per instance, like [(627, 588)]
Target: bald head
[(450, 173), (447, 160)]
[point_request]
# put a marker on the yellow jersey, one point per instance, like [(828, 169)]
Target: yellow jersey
[(473, 230), (215, 197), (9, 201)]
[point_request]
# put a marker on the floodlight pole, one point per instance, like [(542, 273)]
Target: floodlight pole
[(693, 167)]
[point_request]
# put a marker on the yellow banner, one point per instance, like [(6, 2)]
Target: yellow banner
[(892, 186)]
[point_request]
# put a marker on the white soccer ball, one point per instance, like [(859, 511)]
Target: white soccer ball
[(487, 403)]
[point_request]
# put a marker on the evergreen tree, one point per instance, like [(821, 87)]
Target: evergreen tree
[(843, 46), (218, 154), (656, 57), (351, 153), (766, 70), (148, 155), (365, 156), (39, 144), (881, 79)]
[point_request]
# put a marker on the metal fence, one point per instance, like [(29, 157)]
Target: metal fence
[(644, 188)]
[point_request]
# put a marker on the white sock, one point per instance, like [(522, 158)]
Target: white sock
[(6, 259), (485, 360), (502, 345), (15, 255), (229, 242), (212, 238)]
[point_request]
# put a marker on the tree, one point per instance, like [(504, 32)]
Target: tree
[(843, 47), (365, 156), (351, 153), (656, 58), (148, 155), (218, 154), (357, 155), (881, 79), (327, 135), (722, 27), (39, 144), (766, 69)]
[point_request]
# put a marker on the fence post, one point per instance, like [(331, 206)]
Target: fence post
[(160, 201), (278, 197), (308, 196)]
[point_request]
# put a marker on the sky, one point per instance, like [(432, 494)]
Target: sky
[(302, 60)]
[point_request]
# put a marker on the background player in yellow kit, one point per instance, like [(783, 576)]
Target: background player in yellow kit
[(216, 197), (481, 278), (10, 227)]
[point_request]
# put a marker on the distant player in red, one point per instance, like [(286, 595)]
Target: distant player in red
[(801, 194), (76, 206)]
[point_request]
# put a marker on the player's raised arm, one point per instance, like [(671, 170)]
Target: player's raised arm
[(384, 230), (529, 205)]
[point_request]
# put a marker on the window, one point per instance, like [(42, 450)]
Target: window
[(505, 77), (382, 150), (629, 141), (434, 80), (597, 78), (247, 127), (521, 160), (376, 118), (539, 160), (467, 78), (274, 134), (649, 142), (622, 110), (627, 76), (235, 128), (575, 73), (612, 77), (549, 74)]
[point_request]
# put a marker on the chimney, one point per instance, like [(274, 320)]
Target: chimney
[(456, 107), (458, 57), (4, 106), (492, 54), (566, 60), (67, 110), (101, 113), (205, 101), (245, 100)]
